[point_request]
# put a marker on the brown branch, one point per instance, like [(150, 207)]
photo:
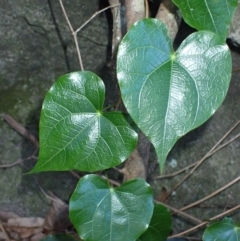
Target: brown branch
[(113, 182), (74, 32), (19, 161), (19, 128), (194, 164), (95, 14), (117, 26), (206, 222), (146, 9), (235, 70), (227, 201), (177, 211), (135, 10), (75, 174), (74, 35), (211, 195), (203, 159)]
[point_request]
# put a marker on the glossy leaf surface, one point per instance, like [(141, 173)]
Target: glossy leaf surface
[(160, 225), (169, 93), (212, 15), (101, 213), (74, 131), (224, 230)]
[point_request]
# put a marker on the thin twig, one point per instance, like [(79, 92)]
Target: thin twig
[(78, 51), (46, 195), (146, 9), (3, 230), (226, 143), (118, 103), (74, 32), (19, 161), (206, 156), (74, 35), (170, 175), (227, 201), (211, 195), (177, 211), (113, 182), (215, 206), (19, 128), (193, 164), (117, 28), (75, 174), (66, 16), (192, 238), (235, 70), (95, 14), (206, 222), (203, 159)]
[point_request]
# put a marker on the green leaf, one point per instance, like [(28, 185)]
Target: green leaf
[(160, 225), (169, 93), (75, 133), (224, 230), (59, 237), (101, 213), (212, 15)]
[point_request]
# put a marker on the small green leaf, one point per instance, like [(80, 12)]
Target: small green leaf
[(101, 213), (224, 230), (160, 225), (212, 15), (75, 133), (59, 237), (169, 93)]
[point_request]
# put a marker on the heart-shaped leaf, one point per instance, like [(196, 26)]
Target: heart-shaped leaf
[(166, 93), (224, 230), (160, 225), (101, 213), (212, 15), (74, 131)]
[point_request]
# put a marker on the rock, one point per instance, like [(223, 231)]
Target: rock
[(234, 33), (36, 48)]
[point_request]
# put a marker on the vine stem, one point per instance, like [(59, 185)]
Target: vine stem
[(146, 9), (235, 70), (177, 211), (95, 14), (206, 222), (194, 164), (213, 150), (74, 32), (212, 194)]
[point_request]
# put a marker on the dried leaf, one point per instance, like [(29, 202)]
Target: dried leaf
[(4, 216), (37, 237), (26, 222), (3, 236), (163, 195), (57, 216), (22, 231)]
